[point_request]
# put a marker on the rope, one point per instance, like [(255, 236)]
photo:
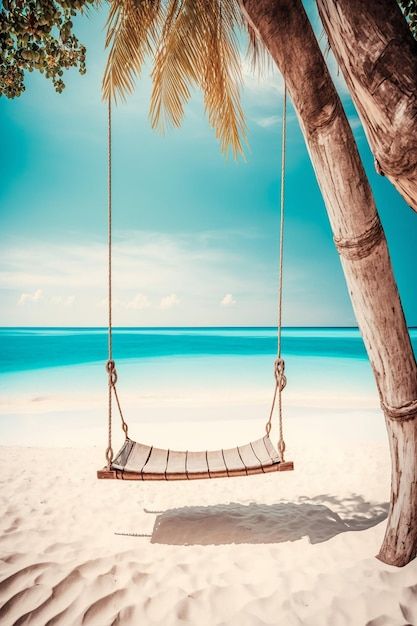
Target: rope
[(109, 234), (359, 247), (142, 535), (279, 364), (282, 207), (110, 365), (124, 424)]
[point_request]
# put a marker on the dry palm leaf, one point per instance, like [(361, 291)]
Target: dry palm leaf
[(195, 44), (178, 62), (132, 30), (222, 75), (259, 57)]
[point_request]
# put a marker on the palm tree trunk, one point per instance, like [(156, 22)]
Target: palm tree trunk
[(285, 30), (371, 42)]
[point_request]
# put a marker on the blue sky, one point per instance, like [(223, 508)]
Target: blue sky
[(196, 234)]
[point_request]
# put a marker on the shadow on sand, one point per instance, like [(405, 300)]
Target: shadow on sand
[(319, 518)]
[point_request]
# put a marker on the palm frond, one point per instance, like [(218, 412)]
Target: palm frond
[(222, 77), (177, 63), (132, 31), (198, 46), (259, 57), (194, 44)]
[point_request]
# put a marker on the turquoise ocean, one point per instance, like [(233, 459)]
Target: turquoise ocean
[(26, 349), (53, 374)]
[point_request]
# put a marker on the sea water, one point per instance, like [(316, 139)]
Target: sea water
[(55, 376), (25, 349)]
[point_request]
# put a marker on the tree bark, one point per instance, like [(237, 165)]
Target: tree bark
[(285, 30), (377, 54)]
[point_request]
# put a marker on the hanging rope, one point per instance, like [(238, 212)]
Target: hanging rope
[(279, 364), (110, 365)]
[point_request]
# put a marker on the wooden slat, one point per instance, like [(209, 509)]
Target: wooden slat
[(137, 458), (261, 452), (279, 467), (196, 465), (248, 457), (123, 455), (156, 464), (216, 463), (233, 462), (271, 450), (136, 461), (176, 465), (113, 474), (105, 473), (285, 466)]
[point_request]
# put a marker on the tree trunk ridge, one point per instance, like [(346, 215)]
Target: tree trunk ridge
[(362, 245), (284, 28), (370, 41), (403, 413)]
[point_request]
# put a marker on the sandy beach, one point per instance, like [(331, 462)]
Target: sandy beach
[(295, 548), (208, 222), (245, 271)]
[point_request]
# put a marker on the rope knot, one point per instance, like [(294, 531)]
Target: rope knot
[(281, 449), (279, 372), (109, 456), (111, 370)]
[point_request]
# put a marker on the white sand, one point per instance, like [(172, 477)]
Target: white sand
[(282, 549)]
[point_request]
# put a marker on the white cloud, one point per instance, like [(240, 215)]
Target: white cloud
[(267, 84), (150, 271), (228, 300), (63, 300), (30, 297), (140, 301), (267, 121), (167, 302)]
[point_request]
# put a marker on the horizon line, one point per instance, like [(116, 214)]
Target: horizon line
[(104, 327)]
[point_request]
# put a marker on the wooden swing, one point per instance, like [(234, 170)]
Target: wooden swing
[(137, 461)]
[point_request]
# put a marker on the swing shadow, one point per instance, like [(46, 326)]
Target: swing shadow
[(275, 523)]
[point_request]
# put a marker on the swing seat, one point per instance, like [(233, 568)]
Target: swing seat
[(136, 461)]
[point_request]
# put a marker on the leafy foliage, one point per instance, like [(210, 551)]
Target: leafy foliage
[(409, 8), (132, 32), (193, 43), (38, 35)]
